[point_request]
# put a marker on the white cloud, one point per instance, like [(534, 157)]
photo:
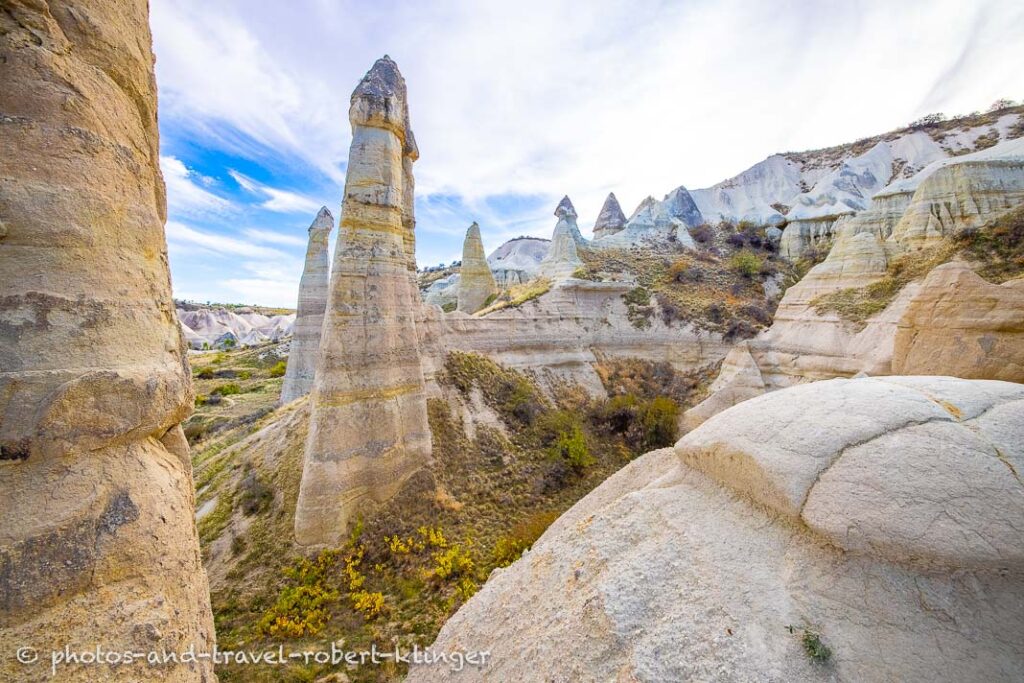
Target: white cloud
[(541, 98), (272, 237), (281, 201), (220, 244), (184, 196)]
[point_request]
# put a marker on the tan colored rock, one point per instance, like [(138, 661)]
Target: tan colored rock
[(738, 380), (476, 283), (368, 430), (959, 324), (906, 568), (98, 543), (962, 194), (309, 315)]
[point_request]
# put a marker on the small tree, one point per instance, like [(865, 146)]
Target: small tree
[(1002, 103)]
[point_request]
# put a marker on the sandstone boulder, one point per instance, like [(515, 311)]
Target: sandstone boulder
[(876, 516)]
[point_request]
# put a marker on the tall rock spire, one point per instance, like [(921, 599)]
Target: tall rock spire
[(98, 541), (476, 282), (309, 315), (562, 258), (611, 219), (368, 424)]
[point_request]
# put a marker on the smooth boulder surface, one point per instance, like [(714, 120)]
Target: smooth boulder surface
[(881, 515)]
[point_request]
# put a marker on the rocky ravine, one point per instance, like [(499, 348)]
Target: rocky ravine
[(878, 518)]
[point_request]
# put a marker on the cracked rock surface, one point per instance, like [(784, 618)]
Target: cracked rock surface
[(882, 514)]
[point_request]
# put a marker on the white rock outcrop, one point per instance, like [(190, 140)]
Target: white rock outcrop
[(516, 261), (881, 516), (368, 427), (562, 258), (98, 544), (309, 312)]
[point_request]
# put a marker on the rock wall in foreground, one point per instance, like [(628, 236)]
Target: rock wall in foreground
[(881, 515), (98, 543)]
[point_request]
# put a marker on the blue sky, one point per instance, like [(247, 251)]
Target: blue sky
[(516, 104)]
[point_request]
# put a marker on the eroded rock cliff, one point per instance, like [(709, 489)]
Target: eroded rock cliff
[(368, 425), (98, 545), (309, 315), (476, 283)]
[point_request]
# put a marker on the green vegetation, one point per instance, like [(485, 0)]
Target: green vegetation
[(228, 389), (518, 295), (411, 562), (450, 306), (718, 287), (997, 247), (279, 369)]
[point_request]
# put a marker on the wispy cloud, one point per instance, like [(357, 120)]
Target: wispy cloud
[(220, 244), (538, 99), (271, 237), (281, 201), (184, 195)]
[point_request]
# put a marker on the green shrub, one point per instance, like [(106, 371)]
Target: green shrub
[(571, 446), (449, 307), (205, 373), (301, 608), (660, 423), (452, 562), (746, 263), (227, 389), (521, 537), (279, 369), (244, 374)]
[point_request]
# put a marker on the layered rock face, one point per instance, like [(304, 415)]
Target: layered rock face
[(961, 325), (476, 283), (611, 219), (655, 221), (309, 315), (562, 258), (368, 430), (98, 544), (881, 515)]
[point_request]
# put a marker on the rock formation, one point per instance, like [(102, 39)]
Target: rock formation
[(476, 283), (738, 380), (98, 544), (516, 261), (368, 430), (879, 517), (562, 258), (309, 316), (655, 221), (611, 219), (961, 325)]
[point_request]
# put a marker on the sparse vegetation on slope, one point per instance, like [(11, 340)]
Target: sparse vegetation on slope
[(495, 488), (719, 286), (996, 249)]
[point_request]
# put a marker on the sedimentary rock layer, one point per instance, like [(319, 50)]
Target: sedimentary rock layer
[(98, 543), (476, 283), (368, 430), (881, 516), (309, 316)]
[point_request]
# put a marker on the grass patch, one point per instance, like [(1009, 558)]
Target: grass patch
[(518, 295)]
